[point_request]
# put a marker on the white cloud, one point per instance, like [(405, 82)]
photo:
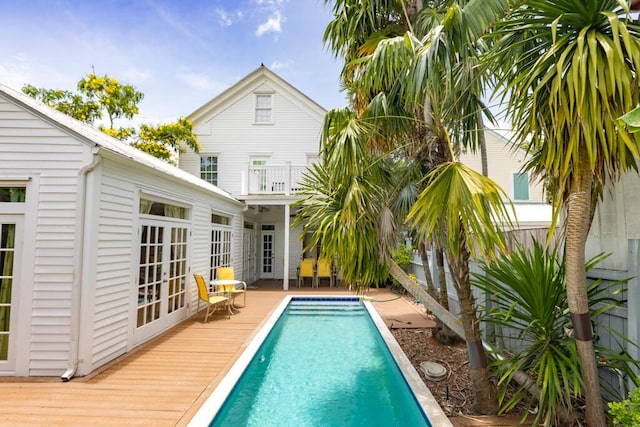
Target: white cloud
[(226, 19), (276, 65), (273, 24)]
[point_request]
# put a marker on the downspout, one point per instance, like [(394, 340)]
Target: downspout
[(76, 285)]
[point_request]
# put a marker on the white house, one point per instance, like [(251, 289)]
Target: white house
[(98, 242), (257, 139)]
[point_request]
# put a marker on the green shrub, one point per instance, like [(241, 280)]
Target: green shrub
[(627, 412), (402, 256), (529, 299)]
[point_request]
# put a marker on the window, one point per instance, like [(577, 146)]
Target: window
[(209, 169), (264, 109), (220, 219), (13, 194), (220, 243), (150, 207), (520, 186)]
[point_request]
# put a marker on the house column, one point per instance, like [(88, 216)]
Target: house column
[(287, 229)]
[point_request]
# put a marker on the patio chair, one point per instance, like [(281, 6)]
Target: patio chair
[(306, 270), (324, 270), (226, 282), (214, 300)]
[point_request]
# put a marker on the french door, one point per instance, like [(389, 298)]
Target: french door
[(10, 252), (162, 277), (268, 252)]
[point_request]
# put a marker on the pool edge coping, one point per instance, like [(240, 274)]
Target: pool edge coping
[(423, 395), (209, 409)]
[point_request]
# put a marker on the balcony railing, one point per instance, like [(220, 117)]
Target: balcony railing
[(270, 179)]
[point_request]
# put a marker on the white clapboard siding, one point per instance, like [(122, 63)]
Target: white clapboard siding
[(32, 147), (114, 261)]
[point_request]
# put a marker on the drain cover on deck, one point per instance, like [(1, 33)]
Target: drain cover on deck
[(433, 371)]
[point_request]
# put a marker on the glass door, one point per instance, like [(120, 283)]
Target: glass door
[(268, 249), (162, 279), (10, 228)]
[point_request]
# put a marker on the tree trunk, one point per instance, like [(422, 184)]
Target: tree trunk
[(422, 250), (484, 390), (443, 333), (442, 278), (578, 215), (429, 302)]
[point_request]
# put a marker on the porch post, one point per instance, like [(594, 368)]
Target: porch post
[(287, 226)]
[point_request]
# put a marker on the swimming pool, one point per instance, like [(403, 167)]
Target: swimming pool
[(323, 361)]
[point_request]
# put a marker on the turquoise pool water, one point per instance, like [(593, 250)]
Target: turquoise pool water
[(324, 363)]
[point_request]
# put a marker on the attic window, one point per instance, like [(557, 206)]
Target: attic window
[(264, 109)]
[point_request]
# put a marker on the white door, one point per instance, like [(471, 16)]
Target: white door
[(162, 278), (10, 257), (268, 252)]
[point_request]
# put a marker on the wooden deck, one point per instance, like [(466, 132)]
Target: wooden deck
[(162, 383), (165, 381)]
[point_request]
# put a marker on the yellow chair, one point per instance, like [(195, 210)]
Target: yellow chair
[(214, 300), (227, 283), (306, 270), (324, 270)]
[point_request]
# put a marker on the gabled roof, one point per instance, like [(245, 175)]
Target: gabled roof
[(90, 135), (249, 83)]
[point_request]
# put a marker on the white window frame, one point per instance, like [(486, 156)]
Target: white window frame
[(208, 172), (257, 119)]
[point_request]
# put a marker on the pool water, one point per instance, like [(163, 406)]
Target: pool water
[(324, 363)]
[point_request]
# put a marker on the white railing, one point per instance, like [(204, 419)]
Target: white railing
[(269, 179)]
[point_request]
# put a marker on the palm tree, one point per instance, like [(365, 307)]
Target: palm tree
[(568, 70), (396, 71)]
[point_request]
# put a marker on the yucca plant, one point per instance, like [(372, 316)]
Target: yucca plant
[(529, 290)]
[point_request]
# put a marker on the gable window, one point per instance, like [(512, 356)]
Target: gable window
[(264, 108), (209, 169), (520, 186)]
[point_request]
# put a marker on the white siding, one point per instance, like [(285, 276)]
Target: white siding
[(114, 264), (29, 146), (232, 134)]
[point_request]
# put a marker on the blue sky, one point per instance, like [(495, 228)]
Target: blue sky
[(179, 53)]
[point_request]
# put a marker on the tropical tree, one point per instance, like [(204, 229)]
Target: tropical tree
[(568, 69), (404, 70), (100, 96)]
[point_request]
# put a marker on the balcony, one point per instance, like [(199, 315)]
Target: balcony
[(272, 179)]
